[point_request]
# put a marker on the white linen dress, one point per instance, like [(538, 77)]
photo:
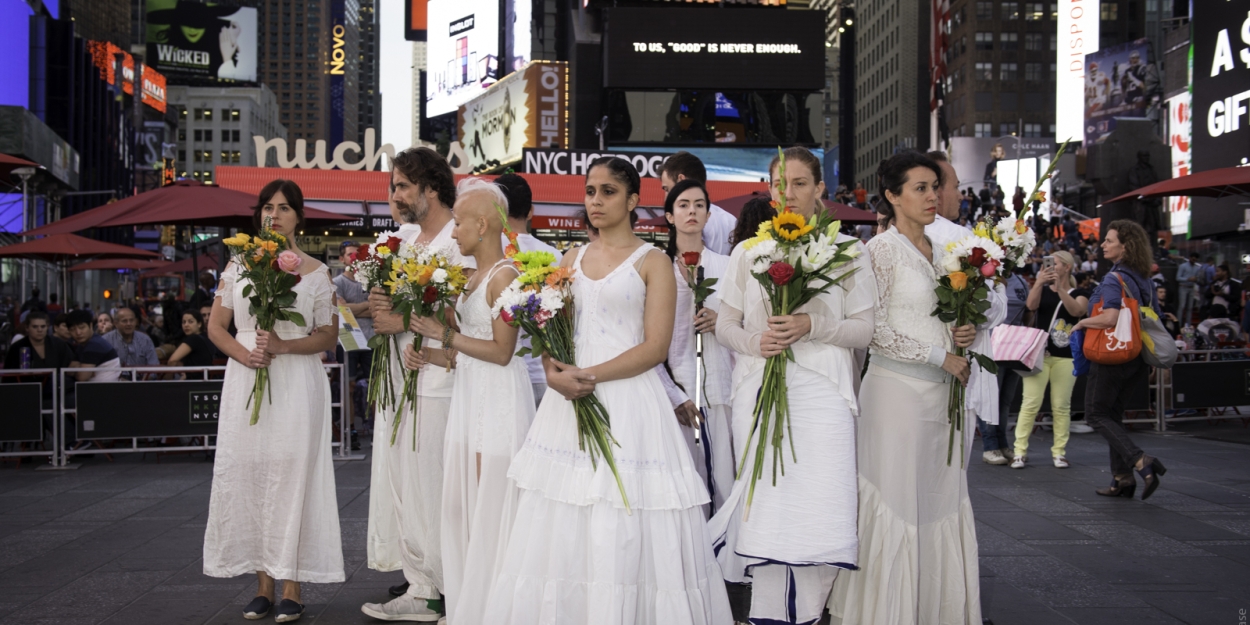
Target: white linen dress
[(491, 411), (574, 556), (918, 544), (273, 506)]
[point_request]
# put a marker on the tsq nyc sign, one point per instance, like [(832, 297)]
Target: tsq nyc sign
[(369, 156)]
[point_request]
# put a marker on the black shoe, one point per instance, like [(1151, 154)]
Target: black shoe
[(257, 609), (1150, 472), (398, 590), (288, 611), (1119, 487)]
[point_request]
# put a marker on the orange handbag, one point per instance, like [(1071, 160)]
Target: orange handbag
[(1120, 344)]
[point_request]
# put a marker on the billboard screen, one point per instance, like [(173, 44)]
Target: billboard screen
[(1077, 35), (104, 57), (1221, 100), (462, 56), (1180, 115), (1119, 82), (414, 19), (680, 48), (198, 44), (981, 160), (524, 110)]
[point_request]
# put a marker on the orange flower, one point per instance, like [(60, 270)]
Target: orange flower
[(511, 250), (959, 280), (425, 275), (775, 204), (555, 278), (1040, 196), (268, 246), (1021, 227)]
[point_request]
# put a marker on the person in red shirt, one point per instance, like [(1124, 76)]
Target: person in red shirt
[(861, 195)]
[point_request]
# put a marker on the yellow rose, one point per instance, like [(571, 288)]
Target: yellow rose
[(959, 280)]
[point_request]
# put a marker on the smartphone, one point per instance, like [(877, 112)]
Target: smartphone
[(1048, 262)]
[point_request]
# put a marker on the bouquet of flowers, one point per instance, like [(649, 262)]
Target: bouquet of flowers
[(372, 267), (795, 260), (423, 282), (963, 297), (540, 301), (272, 271)]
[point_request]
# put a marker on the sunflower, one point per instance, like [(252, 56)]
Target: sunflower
[(790, 226)]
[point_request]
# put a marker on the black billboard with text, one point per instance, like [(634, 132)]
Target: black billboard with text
[(698, 48), (1221, 106)]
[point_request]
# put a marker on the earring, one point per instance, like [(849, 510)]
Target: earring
[(479, 239)]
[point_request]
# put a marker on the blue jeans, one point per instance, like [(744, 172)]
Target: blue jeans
[(995, 436)]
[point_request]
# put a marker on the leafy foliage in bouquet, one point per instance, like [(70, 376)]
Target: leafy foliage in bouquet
[(271, 270), (372, 267), (700, 286), (423, 282), (540, 302)]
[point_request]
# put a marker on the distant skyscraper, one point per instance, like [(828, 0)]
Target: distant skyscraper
[(370, 98)]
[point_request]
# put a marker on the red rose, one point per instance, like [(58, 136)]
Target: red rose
[(297, 278), (362, 254), (393, 244), (781, 273), (505, 315), (273, 264), (430, 295), (977, 257), (691, 259)]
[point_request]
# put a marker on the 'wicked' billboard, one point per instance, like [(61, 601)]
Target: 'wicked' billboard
[(201, 43)]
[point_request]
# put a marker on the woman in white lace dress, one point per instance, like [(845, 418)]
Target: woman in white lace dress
[(273, 509), (575, 555), (492, 405), (801, 531), (917, 543)]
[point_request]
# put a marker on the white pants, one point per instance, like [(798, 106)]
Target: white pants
[(790, 594), (382, 544), (416, 480)]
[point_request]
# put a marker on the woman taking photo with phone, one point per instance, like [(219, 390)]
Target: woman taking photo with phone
[(1057, 305)]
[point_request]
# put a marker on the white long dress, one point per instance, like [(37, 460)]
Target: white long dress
[(574, 555), (491, 411), (918, 544), (273, 506)]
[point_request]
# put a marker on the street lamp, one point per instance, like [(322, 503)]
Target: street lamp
[(25, 174)]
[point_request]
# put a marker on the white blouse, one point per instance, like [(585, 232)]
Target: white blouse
[(906, 329)]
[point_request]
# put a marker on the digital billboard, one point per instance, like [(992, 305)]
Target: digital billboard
[(462, 54), (201, 44), (526, 109), (701, 48), (1221, 101), (1120, 81), (104, 56), (1180, 123), (994, 160), (1077, 35), (415, 19)]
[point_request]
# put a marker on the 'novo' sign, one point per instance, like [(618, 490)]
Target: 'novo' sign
[(338, 160)]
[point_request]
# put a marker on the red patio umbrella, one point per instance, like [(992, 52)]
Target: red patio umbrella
[(63, 249), (209, 259), (1216, 183), (121, 263), (9, 163)]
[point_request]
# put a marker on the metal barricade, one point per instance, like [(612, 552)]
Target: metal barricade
[(1205, 380), (120, 420), (25, 409)]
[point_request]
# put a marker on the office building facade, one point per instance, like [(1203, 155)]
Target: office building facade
[(216, 126)]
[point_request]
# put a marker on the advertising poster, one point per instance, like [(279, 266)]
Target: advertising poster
[(976, 159), (1179, 114), (1077, 35), (194, 43), (527, 109), (337, 68), (1119, 82), (104, 57), (1221, 101), (462, 56)]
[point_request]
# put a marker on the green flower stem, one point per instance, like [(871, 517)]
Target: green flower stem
[(410, 392)]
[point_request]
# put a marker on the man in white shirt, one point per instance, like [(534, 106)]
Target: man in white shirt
[(720, 222), (520, 212), (982, 394)]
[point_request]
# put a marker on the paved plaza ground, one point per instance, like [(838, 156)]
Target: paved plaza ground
[(120, 542)]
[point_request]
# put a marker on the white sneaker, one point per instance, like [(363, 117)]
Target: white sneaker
[(405, 608), (1008, 452), (1018, 463), (993, 456), (1061, 462), (1080, 427)]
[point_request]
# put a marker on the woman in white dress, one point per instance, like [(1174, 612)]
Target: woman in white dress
[(492, 406), (917, 543), (575, 555), (686, 208), (801, 531), (273, 509)]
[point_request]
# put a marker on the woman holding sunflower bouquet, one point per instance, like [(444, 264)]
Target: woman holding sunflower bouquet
[(801, 528)]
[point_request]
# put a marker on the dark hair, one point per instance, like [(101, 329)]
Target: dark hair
[(294, 198), (346, 244), (755, 212), (52, 297), (61, 318), (36, 314), (938, 156), (620, 169), (677, 190), (892, 175), (520, 197), (585, 217), (425, 168), (798, 155), (195, 314), (1136, 244), (207, 280), (1217, 311), (79, 317), (1226, 268), (684, 164)]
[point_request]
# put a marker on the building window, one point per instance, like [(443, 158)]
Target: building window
[(225, 156), (1032, 130), (985, 10), (1034, 11), (985, 71), (985, 41), (1033, 71), (983, 130), (1053, 38), (236, 156), (208, 135), (182, 156), (1006, 129), (182, 134), (1011, 11), (182, 114), (1009, 41), (234, 136), (199, 135), (234, 115), (1052, 72), (1110, 11), (1007, 71), (1051, 132), (208, 177)]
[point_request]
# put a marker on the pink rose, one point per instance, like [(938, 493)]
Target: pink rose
[(989, 268), (289, 261)]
